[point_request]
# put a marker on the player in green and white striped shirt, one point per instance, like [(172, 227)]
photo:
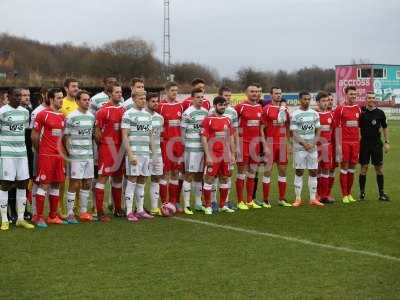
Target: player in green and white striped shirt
[(78, 138), (137, 139), (305, 127), (156, 165), (14, 120), (192, 119), (97, 101)]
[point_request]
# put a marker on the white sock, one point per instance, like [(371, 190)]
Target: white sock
[(34, 190), (214, 191), (3, 205), (21, 203), (186, 187), (129, 195), (84, 199), (139, 197), (154, 194), (198, 191), (229, 183), (70, 203), (312, 187), (298, 186)]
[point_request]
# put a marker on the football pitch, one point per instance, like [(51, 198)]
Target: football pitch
[(336, 252)]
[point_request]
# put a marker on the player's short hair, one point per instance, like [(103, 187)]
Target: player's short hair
[(252, 84), (151, 96), (371, 93), (80, 93), (223, 89), (219, 100), (170, 84), (350, 88), (106, 79), (196, 81), (138, 94), (135, 80), (51, 93), (320, 95), (271, 90), (195, 91), (68, 81), (304, 93), (117, 84)]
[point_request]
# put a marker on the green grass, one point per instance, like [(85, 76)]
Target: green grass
[(169, 258)]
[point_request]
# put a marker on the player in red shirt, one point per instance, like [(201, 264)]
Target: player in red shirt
[(172, 148), (275, 132), (325, 146), (197, 83), (334, 164), (47, 141), (111, 154), (249, 115), (219, 147), (347, 141)]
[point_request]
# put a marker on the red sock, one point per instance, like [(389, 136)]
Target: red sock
[(331, 181), (319, 193), (164, 193), (53, 205), (117, 194), (343, 183), (266, 184), (282, 188), (250, 189), (99, 195), (350, 180), (239, 189), (173, 192), (40, 205), (223, 195), (207, 194), (324, 181)]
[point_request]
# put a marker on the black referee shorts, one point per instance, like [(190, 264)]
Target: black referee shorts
[(371, 153)]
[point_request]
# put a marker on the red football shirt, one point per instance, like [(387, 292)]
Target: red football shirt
[(108, 119), (249, 116), (216, 129), (327, 122), (347, 118), (172, 114), (273, 129), (51, 125), (188, 101)]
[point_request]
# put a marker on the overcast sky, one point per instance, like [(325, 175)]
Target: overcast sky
[(224, 34)]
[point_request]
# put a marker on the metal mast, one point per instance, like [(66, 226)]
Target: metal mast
[(167, 40)]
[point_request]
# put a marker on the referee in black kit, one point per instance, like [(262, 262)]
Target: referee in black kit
[(372, 123)]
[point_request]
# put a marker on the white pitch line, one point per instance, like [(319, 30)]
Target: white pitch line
[(290, 239)]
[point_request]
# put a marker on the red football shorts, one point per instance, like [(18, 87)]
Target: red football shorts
[(111, 163), (249, 154), (325, 157), (50, 169), (221, 168), (172, 155), (276, 153), (350, 153)]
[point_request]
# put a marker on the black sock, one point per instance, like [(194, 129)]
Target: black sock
[(379, 181), (255, 187), (362, 179)]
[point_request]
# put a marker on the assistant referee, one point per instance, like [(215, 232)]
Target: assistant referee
[(372, 123)]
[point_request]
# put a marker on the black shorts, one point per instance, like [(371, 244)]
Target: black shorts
[(371, 153)]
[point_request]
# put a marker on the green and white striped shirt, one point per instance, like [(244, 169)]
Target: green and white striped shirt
[(128, 103), (157, 124), (191, 125), (139, 123), (97, 101), (79, 127), (13, 122), (231, 113), (303, 124)]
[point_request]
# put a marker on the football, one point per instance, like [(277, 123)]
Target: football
[(168, 210)]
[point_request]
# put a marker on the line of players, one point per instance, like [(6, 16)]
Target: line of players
[(194, 141)]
